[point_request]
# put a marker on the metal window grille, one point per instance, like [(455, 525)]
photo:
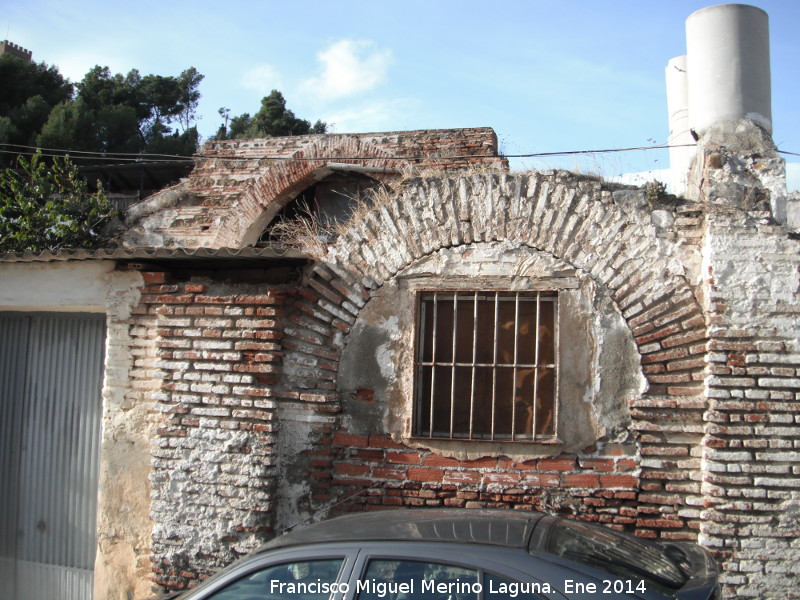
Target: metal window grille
[(486, 366)]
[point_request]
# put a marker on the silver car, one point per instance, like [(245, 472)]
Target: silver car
[(461, 554)]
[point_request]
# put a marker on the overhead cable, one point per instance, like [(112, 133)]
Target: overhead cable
[(130, 157)]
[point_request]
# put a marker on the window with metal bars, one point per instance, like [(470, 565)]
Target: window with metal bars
[(486, 366)]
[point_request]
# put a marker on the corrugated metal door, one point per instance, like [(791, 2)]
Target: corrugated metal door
[(51, 371)]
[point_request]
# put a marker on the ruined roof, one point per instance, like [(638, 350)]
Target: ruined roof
[(238, 186)]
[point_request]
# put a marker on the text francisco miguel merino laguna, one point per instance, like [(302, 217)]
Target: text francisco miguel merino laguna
[(381, 589)]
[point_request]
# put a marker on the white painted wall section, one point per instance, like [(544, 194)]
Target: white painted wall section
[(55, 286)]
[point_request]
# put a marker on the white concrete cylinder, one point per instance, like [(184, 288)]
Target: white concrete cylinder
[(728, 66), (682, 146)]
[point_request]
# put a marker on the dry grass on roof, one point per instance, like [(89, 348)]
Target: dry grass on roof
[(307, 234)]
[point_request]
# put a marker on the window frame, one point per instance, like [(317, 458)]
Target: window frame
[(545, 291), (253, 563)]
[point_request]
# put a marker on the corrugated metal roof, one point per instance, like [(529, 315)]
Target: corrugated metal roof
[(154, 254)]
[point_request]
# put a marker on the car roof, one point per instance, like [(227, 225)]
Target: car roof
[(508, 528)]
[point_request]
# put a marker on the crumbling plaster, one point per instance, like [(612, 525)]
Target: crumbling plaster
[(738, 166), (122, 565)]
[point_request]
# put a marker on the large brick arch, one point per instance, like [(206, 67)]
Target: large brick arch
[(584, 224), (572, 218), (268, 194)]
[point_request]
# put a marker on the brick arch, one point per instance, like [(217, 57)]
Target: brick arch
[(574, 219), (270, 192), (582, 223)]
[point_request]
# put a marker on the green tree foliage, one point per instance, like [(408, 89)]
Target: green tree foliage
[(104, 112), (129, 113), (272, 120), (28, 92), (46, 206)]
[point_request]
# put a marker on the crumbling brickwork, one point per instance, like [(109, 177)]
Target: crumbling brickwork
[(751, 449), (238, 186), (275, 402), (647, 481), (219, 353)]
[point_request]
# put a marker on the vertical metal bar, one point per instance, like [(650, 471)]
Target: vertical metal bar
[(494, 358), (433, 360), (453, 364), (536, 365), (474, 360), (514, 386), (556, 338), (422, 335)]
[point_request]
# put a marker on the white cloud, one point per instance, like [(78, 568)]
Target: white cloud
[(262, 78), (349, 67), (373, 116)]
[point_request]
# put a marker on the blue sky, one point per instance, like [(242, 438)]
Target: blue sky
[(548, 76)]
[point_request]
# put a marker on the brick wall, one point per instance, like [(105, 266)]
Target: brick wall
[(600, 485), (213, 470), (752, 447), (649, 483), (251, 434), (254, 430)]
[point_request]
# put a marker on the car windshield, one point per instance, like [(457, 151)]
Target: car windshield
[(617, 553)]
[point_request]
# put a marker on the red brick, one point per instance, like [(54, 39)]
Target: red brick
[(501, 478), (184, 299), (666, 355), (397, 473), (625, 464), (659, 523), (646, 533), (623, 481), (586, 480), (153, 277), (425, 475), (480, 463), (384, 441), (403, 458), (615, 450), (434, 460), (463, 477), (369, 454), (556, 464), (597, 464), (655, 335), (684, 390), (347, 439)]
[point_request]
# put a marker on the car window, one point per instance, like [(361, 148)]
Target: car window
[(301, 580), (626, 557), (388, 579)]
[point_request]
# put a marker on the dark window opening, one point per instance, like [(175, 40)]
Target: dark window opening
[(486, 366), (329, 202)]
